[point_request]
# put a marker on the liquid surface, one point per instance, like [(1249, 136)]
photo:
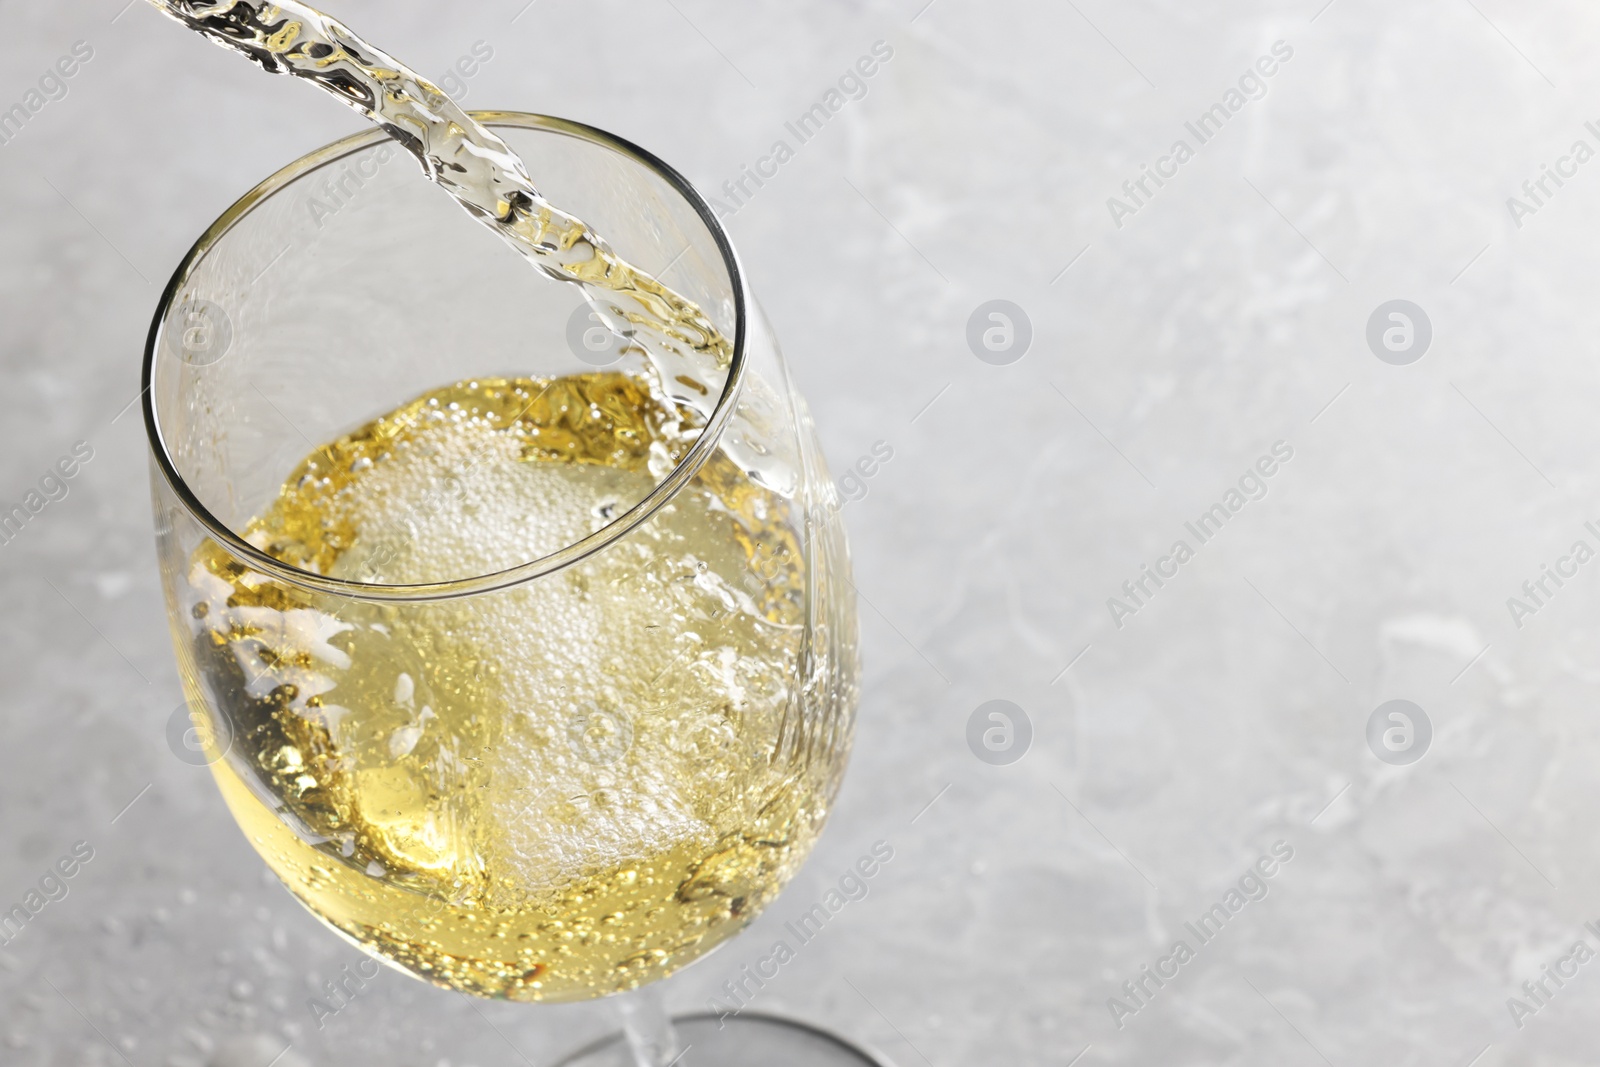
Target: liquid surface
[(560, 790)]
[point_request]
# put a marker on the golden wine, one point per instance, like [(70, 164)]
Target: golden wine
[(563, 789), (577, 784)]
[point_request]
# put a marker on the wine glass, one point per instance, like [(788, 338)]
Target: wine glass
[(522, 675)]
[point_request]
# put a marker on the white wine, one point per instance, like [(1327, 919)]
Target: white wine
[(559, 790), (574, 785)]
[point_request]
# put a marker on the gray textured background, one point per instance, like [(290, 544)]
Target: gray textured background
[(1229, 714)]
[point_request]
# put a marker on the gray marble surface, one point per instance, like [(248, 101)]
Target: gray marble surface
[(1175, 341)]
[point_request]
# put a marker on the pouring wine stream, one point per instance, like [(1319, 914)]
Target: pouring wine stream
[(470, 162)]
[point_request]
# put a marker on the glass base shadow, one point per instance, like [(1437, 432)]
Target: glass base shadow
[(747, 1040)]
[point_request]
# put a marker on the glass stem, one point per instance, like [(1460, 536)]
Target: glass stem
[(651, 1035)]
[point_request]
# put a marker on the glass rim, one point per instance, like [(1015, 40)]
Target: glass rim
[(664, 491)]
